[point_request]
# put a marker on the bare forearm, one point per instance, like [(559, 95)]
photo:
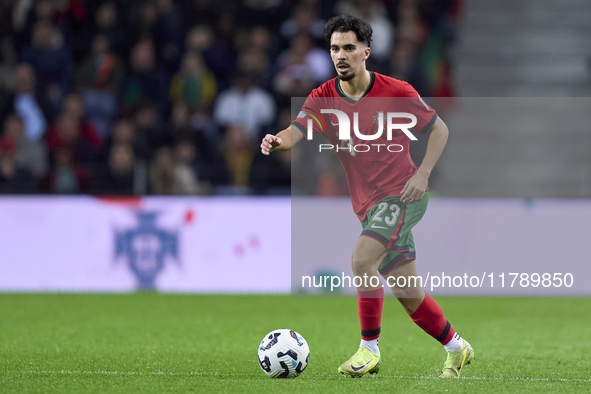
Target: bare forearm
[(284, 140), (285, 136), (435, 145)]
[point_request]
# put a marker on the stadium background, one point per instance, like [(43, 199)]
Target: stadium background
[(163, 97), (158, 106), (140, 98)]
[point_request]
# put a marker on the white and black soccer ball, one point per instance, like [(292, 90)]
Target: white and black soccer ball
[(283, 354)]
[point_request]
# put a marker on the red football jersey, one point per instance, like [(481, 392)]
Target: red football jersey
[(375, 168)]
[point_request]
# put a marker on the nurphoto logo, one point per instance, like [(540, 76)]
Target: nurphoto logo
[(344, 130)]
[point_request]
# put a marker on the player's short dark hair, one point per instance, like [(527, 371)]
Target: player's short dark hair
[(345, 23)]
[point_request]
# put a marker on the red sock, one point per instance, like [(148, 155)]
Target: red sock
[(369, 304), (430, 318)]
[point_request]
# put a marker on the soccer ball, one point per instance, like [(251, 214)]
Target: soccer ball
[(283, 354)]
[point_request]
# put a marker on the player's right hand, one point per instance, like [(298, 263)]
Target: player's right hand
[(270, 142)]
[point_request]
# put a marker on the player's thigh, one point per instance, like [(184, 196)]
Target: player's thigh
[(390, 222), (386, 239), (368, 254), (406, 270)]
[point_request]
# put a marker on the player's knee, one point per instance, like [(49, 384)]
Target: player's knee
[(363, 266)]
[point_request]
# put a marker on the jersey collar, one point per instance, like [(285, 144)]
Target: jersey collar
[(349, 99)]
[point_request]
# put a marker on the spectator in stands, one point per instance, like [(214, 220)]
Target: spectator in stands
[(301, 64), (305, 20), (118, 176), (144, 80), (18, 164), (99, 78), (148, 134), (225, 28), (73, 131), (180, 126), (67, 134), (294, 81), (65, 176), (410, 27), (238, 152), (256, 56), (30, 156), (109, 23), (205, 158), (302, 54), (219, 59), (73, 104), (194, 84), (5, 36), (261, 41), (13, 178), (404, 66), (143, 21), (52, 62), (158, 20), (255, 62), (125, 53), (25, 15), (169, 177), (123, 132), (26, 103), (245, 104), (69, 17), (167, 34), (185, 153)]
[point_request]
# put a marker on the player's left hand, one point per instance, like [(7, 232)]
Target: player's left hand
[(415, 188)]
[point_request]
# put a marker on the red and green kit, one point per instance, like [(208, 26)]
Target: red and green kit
[(371, 136)]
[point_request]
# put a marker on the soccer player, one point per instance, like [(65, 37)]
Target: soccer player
[(388, 192)]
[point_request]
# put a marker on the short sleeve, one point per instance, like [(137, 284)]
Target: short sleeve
[(414, 104), (310, 111)]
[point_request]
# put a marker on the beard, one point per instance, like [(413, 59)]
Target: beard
[(349, 75)]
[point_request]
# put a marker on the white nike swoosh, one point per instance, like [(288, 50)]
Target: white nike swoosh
[(374, 226), (334, 124)]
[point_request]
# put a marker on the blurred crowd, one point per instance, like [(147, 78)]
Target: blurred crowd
[(133, 97)]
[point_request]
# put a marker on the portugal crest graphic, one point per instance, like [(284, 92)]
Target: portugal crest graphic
[(146, 248), (376, 118)]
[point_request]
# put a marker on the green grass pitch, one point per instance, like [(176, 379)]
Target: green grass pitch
[(149, 342)]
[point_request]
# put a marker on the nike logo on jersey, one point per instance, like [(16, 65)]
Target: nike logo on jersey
[(361, 367), (374, 226)]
